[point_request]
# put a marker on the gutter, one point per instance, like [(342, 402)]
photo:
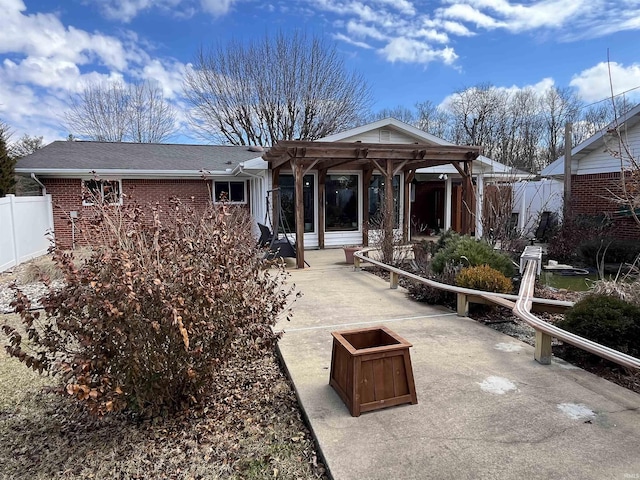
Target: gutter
[(44, 189), (121, 173), (240, 170)]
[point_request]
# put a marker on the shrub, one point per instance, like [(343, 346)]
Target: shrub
[(447, 237), (476, 252), (606, 320), (572, 232), (483, 277), (594, 251), (431, 295), (148, 320)]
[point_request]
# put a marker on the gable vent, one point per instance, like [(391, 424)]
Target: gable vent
[(385, 135)]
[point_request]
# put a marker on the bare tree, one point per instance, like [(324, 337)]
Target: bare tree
[(26, 146), (433, 119), (151, 118), (116, 112), (559, 106), (399, 112), (277, 88)]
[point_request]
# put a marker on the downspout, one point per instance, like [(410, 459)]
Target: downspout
[(44, 189)]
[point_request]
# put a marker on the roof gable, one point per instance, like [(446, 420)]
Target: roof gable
[(411, 133), (591, 144)]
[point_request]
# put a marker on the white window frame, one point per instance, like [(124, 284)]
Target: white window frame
[(229, 182), (86, 203)]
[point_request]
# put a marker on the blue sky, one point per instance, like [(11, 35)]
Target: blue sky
[(408, 50)]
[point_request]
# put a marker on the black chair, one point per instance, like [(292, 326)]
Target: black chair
[(265, 235), (278, 247)]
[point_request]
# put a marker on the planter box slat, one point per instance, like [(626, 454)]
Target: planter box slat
[(371, 369)]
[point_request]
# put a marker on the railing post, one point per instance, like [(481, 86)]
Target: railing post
[(393, 280), (462, 304), (356, 263), (542, 354)]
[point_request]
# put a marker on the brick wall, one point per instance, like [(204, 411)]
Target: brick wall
[(591, 195), (67, 197)]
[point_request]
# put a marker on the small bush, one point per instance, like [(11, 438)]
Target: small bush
[(148, 320), (574, 231), (447, 237), (483, 277), (606, 320), (476, 252), (431, 295), (594, 251)]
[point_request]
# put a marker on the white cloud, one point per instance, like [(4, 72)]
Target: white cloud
[(127, 10), (538, 88), (217, 7), (45, 61), (363, 31), (593, 83), (456, 28), (350, 41), (585, 18), (413, 51)]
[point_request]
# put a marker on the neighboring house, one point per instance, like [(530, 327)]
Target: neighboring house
[(596, 173), (433, 180)]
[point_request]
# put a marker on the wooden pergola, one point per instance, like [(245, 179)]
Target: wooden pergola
[(389, 159)]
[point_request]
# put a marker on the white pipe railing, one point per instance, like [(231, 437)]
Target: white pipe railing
[(522, 308)]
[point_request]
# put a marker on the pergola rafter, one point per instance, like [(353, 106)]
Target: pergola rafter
[(389, 159)]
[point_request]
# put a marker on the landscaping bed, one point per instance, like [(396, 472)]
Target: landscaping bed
[(249, 428)]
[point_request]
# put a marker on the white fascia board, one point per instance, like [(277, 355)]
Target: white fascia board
[(386, 122), (122, 173)]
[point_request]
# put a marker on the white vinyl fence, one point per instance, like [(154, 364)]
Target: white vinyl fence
[(531, 199), (25, 225)]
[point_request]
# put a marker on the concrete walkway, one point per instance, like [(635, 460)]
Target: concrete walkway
[(485, 408)]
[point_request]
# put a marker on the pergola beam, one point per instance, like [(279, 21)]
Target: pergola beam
[(388, 159)]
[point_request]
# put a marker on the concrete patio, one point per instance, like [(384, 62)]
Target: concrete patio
[(485, 408)]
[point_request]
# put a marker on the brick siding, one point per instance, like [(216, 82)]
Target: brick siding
[(591, 195), (67, 197)]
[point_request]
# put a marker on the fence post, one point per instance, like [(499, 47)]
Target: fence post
[(393, 280), (542, 354), (462, 305), (12, 213)]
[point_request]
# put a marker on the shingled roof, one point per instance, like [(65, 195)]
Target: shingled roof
[(62, 157)]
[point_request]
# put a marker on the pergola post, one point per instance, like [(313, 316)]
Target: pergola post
[(298, 175), (389, 214), (406, 210), (322, 177), (367, 173), (275, 192)]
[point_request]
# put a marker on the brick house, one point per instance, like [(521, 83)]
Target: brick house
[(596, 173), (72, 172), (150, 173)]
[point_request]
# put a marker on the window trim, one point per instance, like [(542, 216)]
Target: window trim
[(86, 203), (229, 182)]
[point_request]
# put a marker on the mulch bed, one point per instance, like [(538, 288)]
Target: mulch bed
[(251, 428)]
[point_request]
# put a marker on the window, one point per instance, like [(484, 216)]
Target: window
[(107, 191), (341, 192), (377, 191), (233, 192), (288, 201)]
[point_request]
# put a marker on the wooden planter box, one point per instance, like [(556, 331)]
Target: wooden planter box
[(371, 369)]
